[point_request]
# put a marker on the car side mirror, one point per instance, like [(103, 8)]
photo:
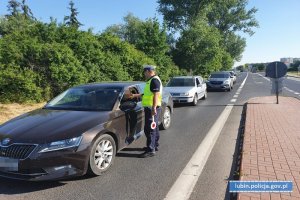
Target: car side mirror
[(128, 105)]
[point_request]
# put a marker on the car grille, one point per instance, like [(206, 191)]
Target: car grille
[(17, 151), (216, 82)]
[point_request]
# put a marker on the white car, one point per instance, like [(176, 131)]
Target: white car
[(187, 89), (232, 76)]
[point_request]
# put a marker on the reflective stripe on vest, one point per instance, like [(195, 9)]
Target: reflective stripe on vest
[(147, 100)]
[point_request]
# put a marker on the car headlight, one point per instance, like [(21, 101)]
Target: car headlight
[(227, 82), (185, 94), (62, 144)]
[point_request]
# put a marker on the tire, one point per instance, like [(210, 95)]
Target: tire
[(205, 95), (166, 119), (102, 155), (195, 101)]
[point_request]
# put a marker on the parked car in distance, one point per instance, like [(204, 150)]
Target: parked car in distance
[(187, 89), (77, 132), (232, 76), (220, 81)]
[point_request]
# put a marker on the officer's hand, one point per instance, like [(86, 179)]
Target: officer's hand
[(153, 111)]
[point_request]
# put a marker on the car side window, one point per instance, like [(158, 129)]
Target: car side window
[(197, 82), (128, 92)]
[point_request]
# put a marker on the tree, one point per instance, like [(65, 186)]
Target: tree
[(27, 11), (230, 18), (72, 20), (13, 8), (149, 37), (225, 15), (294, 66), (180, 14), (234, 45), (199, 49)]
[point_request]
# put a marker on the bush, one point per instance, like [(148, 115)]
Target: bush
[(17, 85)]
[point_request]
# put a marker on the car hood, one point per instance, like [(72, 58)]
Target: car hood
[(217, 79), (43, 126), (179, 89)]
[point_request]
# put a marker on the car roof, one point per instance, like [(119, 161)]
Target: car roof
[(220, 72), (185, 76), (120, 84)]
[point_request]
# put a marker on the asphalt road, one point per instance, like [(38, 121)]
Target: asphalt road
[(151, 178)]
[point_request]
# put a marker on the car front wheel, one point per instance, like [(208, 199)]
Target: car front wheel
[(102, 154), (195, 101), (166, 119)]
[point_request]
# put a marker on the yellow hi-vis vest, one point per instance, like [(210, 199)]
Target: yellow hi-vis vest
[(147, 99)]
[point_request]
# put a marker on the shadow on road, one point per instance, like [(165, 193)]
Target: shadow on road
[(131, 152), (12, 187)]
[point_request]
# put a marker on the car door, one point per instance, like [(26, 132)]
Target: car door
[(199, 87), (134, 115)]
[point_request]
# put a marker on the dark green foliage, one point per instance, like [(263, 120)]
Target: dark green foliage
[(40, 60), (294, 66), (72, 20), (229, 18), (149, 37)]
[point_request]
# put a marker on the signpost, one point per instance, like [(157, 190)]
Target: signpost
[(275, 71)]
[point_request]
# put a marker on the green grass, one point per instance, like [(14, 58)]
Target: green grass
[(294, 73)]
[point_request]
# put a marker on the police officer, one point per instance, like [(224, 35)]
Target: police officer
[(151, 101)]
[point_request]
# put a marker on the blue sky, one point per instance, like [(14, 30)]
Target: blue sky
[(277, 37)]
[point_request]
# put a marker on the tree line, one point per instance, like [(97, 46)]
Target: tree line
[(39, 60)]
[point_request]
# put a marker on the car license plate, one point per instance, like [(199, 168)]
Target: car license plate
[(9, 164)]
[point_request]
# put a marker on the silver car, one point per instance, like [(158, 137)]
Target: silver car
[(220, 80), (187, 89)]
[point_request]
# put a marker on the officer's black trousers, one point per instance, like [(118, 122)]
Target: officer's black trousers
[(151, 134)]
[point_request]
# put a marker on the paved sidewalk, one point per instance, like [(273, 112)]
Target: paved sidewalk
[(271, 149)]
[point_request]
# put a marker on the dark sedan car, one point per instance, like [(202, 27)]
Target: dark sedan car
[(77, 132)]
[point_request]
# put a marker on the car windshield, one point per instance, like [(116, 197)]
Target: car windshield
[(231, 73), (181, 82), (85, 99), (224, 75)]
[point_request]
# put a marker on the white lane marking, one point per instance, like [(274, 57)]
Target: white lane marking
[(233, 100), (293, 78), (185, 183), (264, 77), (235, 96), (296, 93), (237, 93)]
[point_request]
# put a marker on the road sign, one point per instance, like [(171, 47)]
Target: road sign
[(276, 70), (276, 83)]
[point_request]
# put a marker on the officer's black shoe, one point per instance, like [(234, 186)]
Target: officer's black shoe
[(147, 154), (156, 148)]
